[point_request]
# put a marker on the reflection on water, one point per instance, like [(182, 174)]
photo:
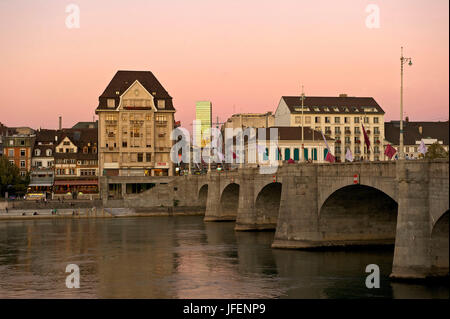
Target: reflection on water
[(180, 257)]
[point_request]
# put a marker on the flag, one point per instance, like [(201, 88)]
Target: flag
[(291, 161), (349, 155), (389, 151), (234, 155), (330, 158), (422, 148), (366, 138)]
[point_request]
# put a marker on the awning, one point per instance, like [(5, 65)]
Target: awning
[(40, 184), (75, 182)]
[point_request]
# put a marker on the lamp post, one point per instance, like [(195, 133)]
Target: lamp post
[(303, 147), (403, 60)]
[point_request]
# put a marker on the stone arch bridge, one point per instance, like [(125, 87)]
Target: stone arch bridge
[(402, 203)]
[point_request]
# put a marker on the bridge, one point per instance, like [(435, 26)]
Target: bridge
[(312, 206)]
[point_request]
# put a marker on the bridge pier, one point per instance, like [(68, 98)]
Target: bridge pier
[(298, 219), (413, 255)]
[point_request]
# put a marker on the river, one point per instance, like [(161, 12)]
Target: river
[(181, 257)]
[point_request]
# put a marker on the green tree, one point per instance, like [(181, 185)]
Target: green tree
[(10, 179), (436, 150)]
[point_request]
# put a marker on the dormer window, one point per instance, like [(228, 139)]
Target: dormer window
[(48, 152), (111, 103), (85, 150), (37, 152), (161, 104)]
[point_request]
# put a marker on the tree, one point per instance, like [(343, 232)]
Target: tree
[(10, 179), (436, 150)]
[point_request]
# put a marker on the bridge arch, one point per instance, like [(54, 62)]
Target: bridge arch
[(439, 246), (358, 214), (203, 195), (229, 200), (267, 205)]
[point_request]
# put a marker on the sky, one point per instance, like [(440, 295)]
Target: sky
[(241, 55)]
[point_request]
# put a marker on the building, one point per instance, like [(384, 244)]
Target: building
[(18, 147), (203, 117), (244, 120), (414, 133), (290, 145), (4, 131), (76, 164), (136, 118), (86, 125), (340, 117), (42, 164)]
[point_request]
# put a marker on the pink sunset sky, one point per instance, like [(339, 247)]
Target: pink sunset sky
[(241, 55)]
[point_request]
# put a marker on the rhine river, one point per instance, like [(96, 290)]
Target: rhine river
[(181, 257)]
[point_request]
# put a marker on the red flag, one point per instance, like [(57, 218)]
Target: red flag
[(366, 138), (291, 161), (234, 155), (389, 151), (330, 158)]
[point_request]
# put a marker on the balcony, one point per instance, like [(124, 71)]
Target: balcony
[(161, 123), (111, 122), (348, 132)]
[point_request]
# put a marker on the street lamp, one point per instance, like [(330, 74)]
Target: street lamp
[(403, 60)]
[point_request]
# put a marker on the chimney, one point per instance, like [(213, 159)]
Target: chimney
[(420, 130), (60, 123), (343, 95), (407, 119)]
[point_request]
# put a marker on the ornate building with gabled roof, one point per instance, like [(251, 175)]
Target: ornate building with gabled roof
[(136, 117)]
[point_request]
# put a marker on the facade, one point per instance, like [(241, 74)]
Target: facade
[(244, 120), (136, 118), (76, 164), (291, 147), (340, 117), (18, 147), (42, 164), (4, 132), (203, 117), (414, 133)]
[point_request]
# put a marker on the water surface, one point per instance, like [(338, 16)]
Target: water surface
[(181, 257)]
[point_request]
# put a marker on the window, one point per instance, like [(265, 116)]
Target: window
[(48, 152), (346, 120), (22, 153), (11, 142), (327, 130), (124, 144), (37, 152), (366, 120), (347, 140), (317, 119), (140, 157), (357, 131), (22, 164), (148, 117), (161, 104), (66, 143), (22, 142), (337, 130), (307, 119), (337, 120), (327, 119), (111, 103), (376, 130), (23, 173), (11, 162), (11, 153), (356, 119), (85, 150), (61, 150), (298, 120), (375, 120), (148, 157)]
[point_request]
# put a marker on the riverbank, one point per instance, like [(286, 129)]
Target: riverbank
[(99, 212)]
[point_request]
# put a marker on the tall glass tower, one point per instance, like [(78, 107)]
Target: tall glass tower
[(203, 116)]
